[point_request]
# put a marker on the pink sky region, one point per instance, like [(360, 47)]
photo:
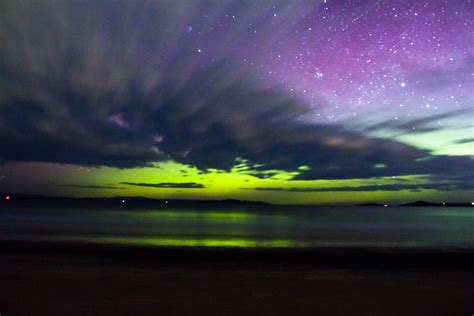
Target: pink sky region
[(304, 93)]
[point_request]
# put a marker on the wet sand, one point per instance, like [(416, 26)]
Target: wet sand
[(65, 279)]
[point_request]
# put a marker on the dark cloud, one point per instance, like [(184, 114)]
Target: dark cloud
[(171, 185), (449, 186), (437, 165), (420, 125), (465, 141), (117, 84), (99, 187)]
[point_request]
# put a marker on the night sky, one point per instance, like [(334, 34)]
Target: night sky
[(280, 101)]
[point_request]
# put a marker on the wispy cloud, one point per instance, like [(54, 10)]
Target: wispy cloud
[(131, 87), (435, 79), (419, 125), (447, 186), (170, 185), (465, 141)]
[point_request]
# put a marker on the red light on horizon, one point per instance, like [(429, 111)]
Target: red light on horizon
[(7, 197)]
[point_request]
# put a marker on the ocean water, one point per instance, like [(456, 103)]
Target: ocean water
[(291, 227)]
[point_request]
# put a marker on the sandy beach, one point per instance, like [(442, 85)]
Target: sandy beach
[(55, 279)]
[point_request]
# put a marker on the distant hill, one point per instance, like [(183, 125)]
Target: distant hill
[(425, 203), (421, 203), (38, 201)]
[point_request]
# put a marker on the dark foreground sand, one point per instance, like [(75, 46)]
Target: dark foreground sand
[(84, 280)]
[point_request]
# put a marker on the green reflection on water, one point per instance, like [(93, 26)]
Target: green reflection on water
[(206, 242), (250, 243), (208, 216)]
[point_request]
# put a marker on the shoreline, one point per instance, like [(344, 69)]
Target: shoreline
[(317, 257), (80, 279)]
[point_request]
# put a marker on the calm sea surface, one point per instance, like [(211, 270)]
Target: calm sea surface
[(401, 227)]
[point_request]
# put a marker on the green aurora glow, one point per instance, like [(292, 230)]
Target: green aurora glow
[(56, 180), (356, 101)]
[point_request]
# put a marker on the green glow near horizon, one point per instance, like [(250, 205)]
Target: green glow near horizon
[(50, 179), (449, 138)]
